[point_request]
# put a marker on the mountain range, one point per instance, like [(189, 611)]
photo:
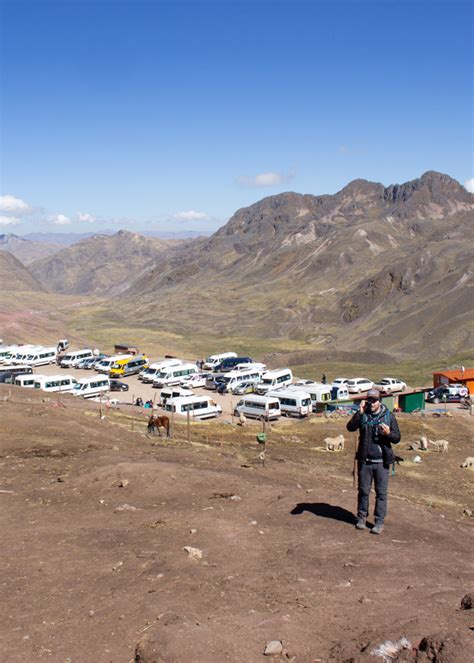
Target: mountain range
[(370, 267)]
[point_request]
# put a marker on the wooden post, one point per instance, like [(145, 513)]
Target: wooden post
[(133, 411), (172, 423), (231, 411), (100, 405), (188, 425)]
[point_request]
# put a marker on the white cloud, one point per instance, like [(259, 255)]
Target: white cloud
[(9, 221), (263, 180), (469, 184), (14, 206), (190, 215), (85, 217), (59, 220)]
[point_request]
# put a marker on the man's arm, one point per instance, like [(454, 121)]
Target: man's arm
[(354, 423)]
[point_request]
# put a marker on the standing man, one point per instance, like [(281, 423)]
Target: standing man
[(378, 430)]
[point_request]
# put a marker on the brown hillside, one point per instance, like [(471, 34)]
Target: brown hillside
[(14, 276), (387, 264), (99, 264), (26, 250)]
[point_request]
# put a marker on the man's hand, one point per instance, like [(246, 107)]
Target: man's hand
[(385, 429), (361, 407)]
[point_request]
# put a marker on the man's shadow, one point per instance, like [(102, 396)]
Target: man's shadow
[(324, 510)]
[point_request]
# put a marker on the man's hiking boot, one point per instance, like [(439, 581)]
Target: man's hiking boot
[(360, 523), (377, 529)]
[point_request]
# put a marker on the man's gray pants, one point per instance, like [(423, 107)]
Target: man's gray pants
[(377, 473)]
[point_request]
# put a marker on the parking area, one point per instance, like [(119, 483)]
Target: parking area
[(227, 401)]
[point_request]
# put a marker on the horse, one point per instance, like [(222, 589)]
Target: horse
[(155, 422)]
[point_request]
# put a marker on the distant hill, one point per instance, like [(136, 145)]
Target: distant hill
[(98, 265), (27, 251), (14, 276), (371, 266), (65, 239)]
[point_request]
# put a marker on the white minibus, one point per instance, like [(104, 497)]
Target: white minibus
[(272, 380), (19, 353), (174, 392), (76, 355), (62, 383), (93, 386), (293, 403), (319, 392), (214, 360), (255, 365), (26, 380), (5, 353), (233, 378), (41, 357), (150, 373), (199, 407), (259, 407), (174, 374)]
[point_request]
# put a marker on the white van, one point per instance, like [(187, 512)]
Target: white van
[(93, 386), (19, 353), (259, 407), (41, 357), (174, 392), (26, 380), (76, 355), (339, 392), (319, 392), (174, 374), (5, 353), (62, 383), (233, 378), (293, 402), (214, 360), (150, 373), (199, 407), (255, 365), (105, 364), (272, 380)]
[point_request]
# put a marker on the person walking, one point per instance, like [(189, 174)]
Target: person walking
[(378, 430)]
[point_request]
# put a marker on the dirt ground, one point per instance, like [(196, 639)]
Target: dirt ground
[(96, 516)]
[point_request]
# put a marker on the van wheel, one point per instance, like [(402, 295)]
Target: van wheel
[(436, 401)]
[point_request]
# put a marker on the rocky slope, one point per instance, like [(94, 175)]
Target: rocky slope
[(386, 267), (99, 264), (26, 250), (15, 277)]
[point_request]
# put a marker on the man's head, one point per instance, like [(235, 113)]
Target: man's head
[(373, 399)]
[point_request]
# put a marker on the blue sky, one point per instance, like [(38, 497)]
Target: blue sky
[(170, 116)]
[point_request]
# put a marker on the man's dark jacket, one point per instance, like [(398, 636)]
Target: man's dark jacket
[(361, 422)]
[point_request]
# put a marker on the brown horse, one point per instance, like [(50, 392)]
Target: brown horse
[(155, 422)]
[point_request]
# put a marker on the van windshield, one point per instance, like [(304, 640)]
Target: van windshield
[(267, 381), (162, 375)]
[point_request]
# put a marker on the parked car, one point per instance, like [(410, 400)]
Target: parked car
[(244, 388), (448, 393), (213, 380), (118, 385), (357, 385), (391, 384), (338, 382), (198, 380), (88, 364)]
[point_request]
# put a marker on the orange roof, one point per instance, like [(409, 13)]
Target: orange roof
[(457, 374)]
